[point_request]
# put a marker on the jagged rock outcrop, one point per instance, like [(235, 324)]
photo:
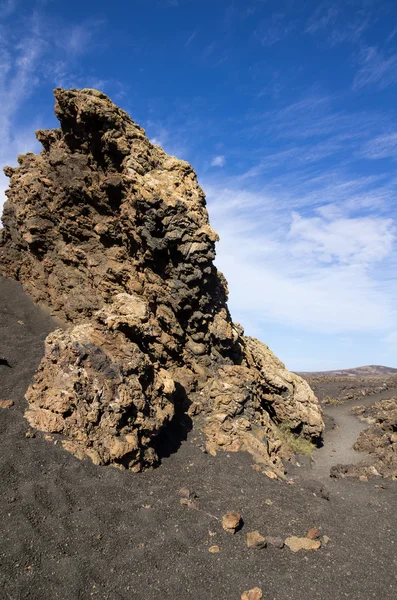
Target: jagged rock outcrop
[(114, 236), (379, 439)]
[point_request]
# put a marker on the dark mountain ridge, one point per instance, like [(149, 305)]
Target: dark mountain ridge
[(365, 371)]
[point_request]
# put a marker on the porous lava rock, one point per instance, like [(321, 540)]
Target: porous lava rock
[(380, 438), (113, 235)]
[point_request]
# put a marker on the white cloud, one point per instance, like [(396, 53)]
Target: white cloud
[(316, 273), (375, 69), (218, 161), (39, 52), (322, 17), (348, 241), (274, 29), (17, 80), (190, 39), (383, 146)]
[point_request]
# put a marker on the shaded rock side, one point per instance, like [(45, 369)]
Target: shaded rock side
[(113, 234)]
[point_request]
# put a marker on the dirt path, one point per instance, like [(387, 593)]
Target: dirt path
[(339, 441)]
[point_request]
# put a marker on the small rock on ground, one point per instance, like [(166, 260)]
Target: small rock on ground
[(254, 594), (255, 540), (277, 542), (6, 403), (295, 543), (313, 533), (231, 521)]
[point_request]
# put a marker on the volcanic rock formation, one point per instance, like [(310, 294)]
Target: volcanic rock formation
[(114, 236), (379, 439)]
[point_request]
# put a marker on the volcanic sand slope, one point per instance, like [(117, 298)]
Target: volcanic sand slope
[(72, 531)]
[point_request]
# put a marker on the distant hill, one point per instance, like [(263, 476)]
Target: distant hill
[(367, 371)]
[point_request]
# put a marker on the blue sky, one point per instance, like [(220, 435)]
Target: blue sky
[(287, 111)]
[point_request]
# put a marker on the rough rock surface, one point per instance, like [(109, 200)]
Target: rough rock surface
[(113, 234), (295, 543), (380, 439)]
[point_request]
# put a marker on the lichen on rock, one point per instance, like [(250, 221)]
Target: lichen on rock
[(113, 234)]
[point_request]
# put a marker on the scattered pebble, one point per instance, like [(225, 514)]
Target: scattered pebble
[(268, 502), (211, 533), (184, 492), (254, 594), (255, 540), (313, 534), (214, 549), (325, 539), (6, 403), (189, 503), (231, 521), (277, 542)]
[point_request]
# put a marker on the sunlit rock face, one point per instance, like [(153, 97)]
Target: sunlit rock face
[(113, 234)]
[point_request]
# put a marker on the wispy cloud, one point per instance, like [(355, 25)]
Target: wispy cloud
[(317, 273), (218, 161), (274, 29), (7, 7), (82, 37), (383, 146), (375, 69), (38, 55), (190, 39), (323, 16), (18, 78)]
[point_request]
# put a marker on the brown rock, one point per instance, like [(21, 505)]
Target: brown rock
[(113, 235), (231, 521), (45, 420), (296, 543), (6, 403), (313, 534), (254, 594), (184, 492), (270, 474), (214, 549), (324, 540), (277, 542), (255, 540)]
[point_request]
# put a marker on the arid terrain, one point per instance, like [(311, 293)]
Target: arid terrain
[(330, 388), (148, 448), (72, 530)]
